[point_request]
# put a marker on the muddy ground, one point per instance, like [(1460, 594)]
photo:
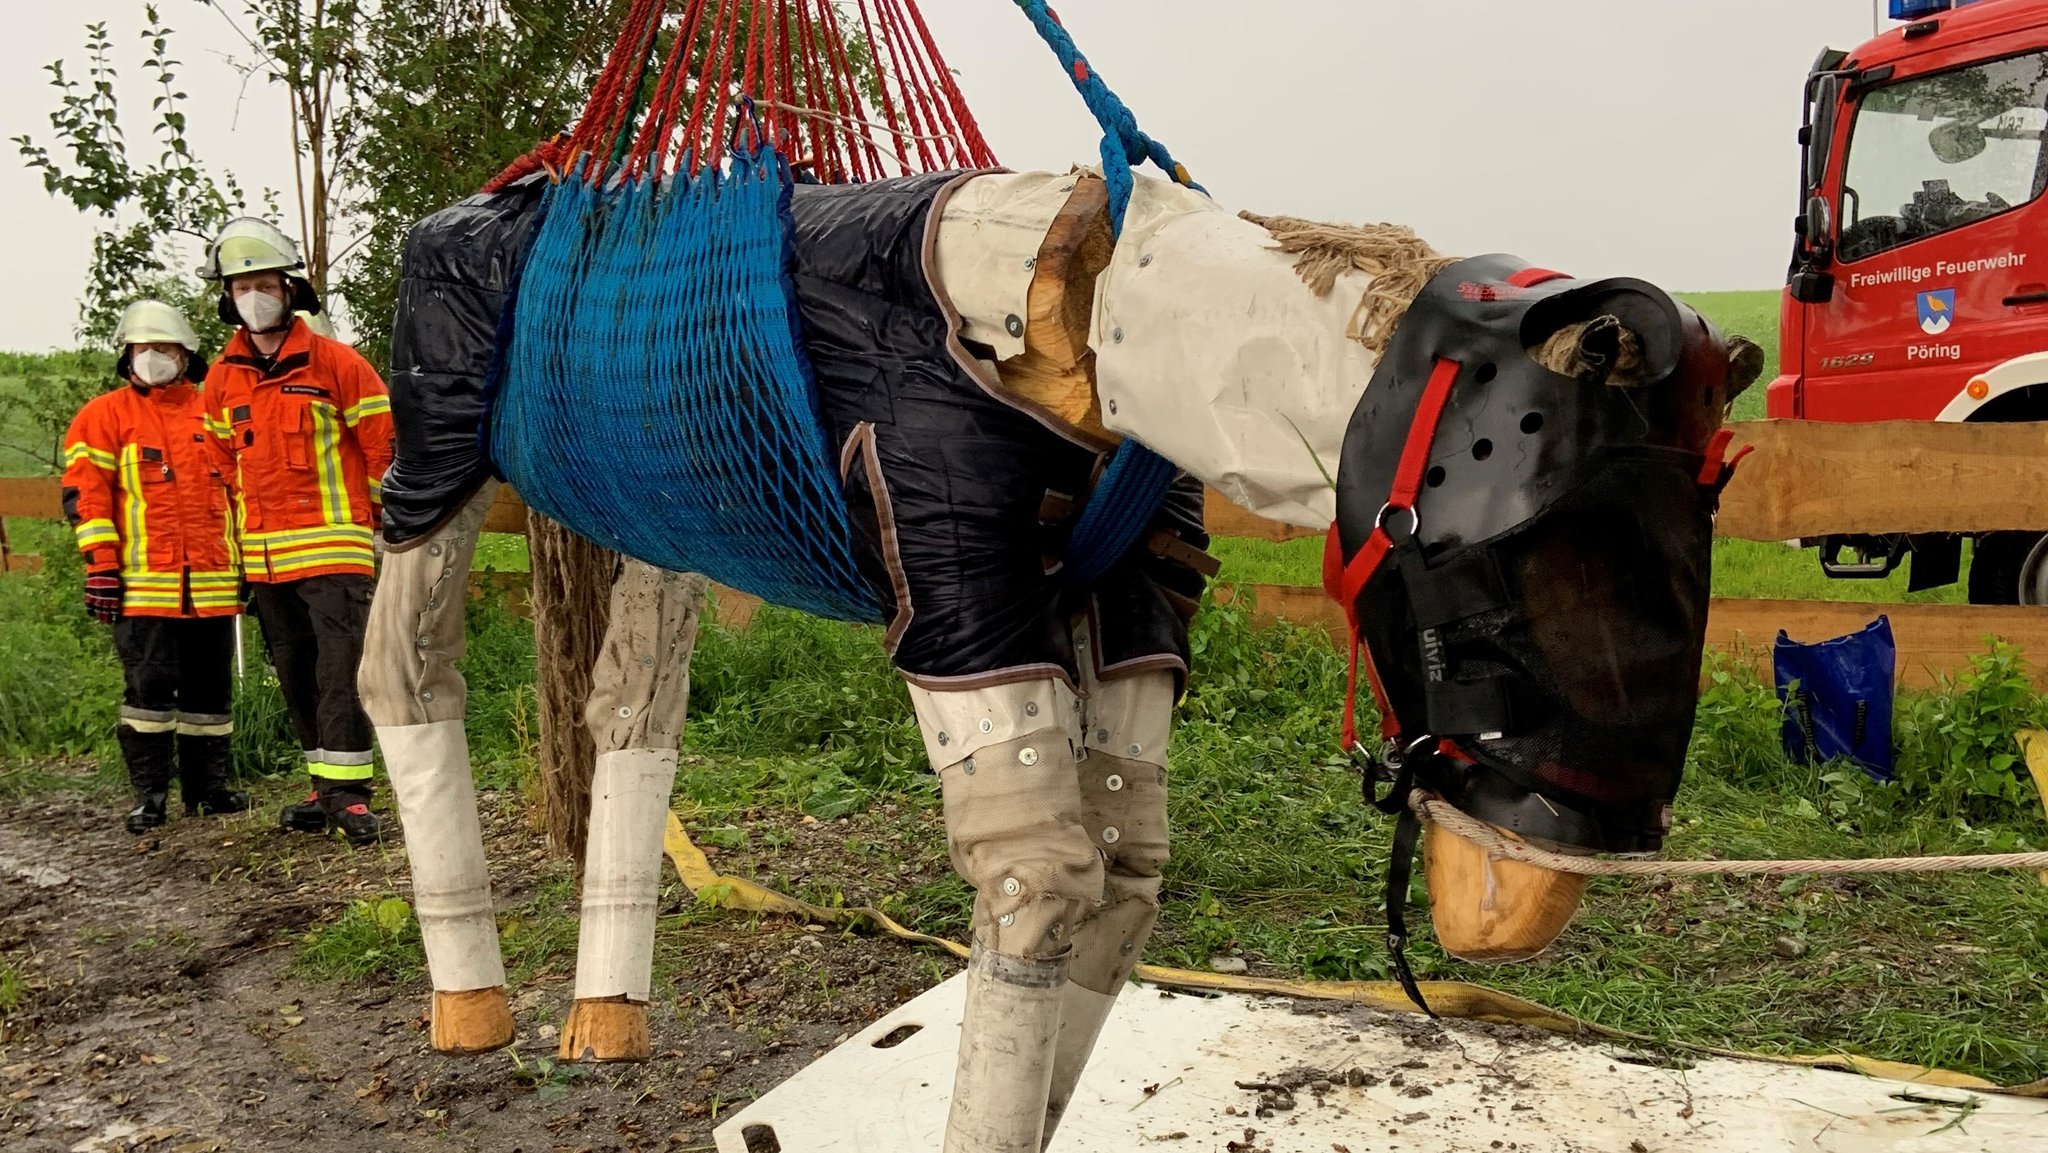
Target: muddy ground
[(160, 1010)]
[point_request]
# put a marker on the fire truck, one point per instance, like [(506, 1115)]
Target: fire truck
[(1919, 280)]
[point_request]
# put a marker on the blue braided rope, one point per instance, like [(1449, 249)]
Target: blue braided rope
[(1136, 481)]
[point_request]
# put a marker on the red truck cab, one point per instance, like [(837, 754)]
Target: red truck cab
[(1919, 283)]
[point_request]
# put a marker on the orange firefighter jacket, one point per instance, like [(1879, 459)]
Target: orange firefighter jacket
[(147, 492), (310, 431)]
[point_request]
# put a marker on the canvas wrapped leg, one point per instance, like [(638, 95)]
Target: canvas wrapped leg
[(1123, 807), (415, 695), (1006, 1045), (640, 690), (430, 778), (1013, 825)]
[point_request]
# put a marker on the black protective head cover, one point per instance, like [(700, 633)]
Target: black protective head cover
[(1536, 627)]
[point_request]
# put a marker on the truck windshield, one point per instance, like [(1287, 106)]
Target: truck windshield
[(1936, 152)]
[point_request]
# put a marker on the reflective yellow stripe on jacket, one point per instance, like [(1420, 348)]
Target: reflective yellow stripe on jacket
[(134, 505)]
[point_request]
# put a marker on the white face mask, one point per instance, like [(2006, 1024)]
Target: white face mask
[(259, 310), (153, 367)]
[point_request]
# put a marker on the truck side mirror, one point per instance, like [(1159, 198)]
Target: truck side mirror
[(1825, 97), (1817, 227), (1810, 282)]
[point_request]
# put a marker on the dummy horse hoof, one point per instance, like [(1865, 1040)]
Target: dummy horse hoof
[(1513, 918), (606, 1029), (474, 1021)]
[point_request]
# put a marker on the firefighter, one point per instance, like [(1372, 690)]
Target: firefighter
[(309, 423), (147, 493)]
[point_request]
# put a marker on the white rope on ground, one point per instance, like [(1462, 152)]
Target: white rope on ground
[(1501, 847)]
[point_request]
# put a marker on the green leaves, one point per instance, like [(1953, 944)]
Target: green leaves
[(161, 200)]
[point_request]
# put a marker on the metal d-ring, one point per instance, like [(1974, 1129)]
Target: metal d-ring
[(1414, 518)]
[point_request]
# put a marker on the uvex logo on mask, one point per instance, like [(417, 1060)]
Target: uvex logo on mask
[(1433, 662)]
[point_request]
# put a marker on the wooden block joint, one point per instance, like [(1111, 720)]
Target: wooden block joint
[(472, 1021), (606, 1029), (1511, 917)]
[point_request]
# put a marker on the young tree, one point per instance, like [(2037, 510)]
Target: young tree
[(315, 50), (454, 91), (154, 212)]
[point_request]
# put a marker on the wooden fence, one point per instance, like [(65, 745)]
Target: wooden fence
[(1803, 480)]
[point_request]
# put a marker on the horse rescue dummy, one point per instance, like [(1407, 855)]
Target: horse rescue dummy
[(937, 403)]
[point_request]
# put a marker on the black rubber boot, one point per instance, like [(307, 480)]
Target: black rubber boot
[(148, 812), (149, 757), (308, 816), (203, 764), (348, 809)]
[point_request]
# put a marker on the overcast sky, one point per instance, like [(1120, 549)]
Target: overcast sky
[(1646, 137)]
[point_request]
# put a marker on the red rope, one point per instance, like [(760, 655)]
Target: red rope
[(791, 61), (978, 153), (915, 113), (831, 164), (631, 67), (953, 153), (668, 91), (718, 63), (787, 134), (750, 81), (604, 96), (938, 107), (882, 85), (849, 98)]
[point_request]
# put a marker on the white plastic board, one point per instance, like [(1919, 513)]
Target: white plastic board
[(1452, 1087)]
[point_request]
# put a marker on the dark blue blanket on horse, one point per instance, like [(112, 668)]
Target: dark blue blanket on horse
[(961, 501)]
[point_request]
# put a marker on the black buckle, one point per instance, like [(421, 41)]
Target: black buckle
[(1392, 767)]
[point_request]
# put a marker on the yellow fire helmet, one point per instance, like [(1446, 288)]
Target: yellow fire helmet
[(249, 244), (154, 322)]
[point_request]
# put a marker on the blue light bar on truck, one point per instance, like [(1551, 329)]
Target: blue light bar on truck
[(1915, 9)]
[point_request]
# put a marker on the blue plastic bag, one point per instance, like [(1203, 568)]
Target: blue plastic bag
[(1837, 696)]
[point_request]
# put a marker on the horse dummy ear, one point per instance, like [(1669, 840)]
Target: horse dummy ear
[(1745, 365)]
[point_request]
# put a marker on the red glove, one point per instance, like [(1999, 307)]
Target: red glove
[(103, 596)]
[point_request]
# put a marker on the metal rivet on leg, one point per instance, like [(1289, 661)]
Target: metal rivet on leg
[(446, 573), (1102, 736), (1030, 708), (646, 662), (967, 766), (1007, 919), (427, 695), (625, 711), (1145, 261), (1110, 836), (1012, 887), (944, 739), (1125, 949), (987, 725), (433, 550), (1055, 931), (1030, 263), (1117, 336), (1028, 757), (1114, 783), (1136, 749), (423, 640), (1013, 324), (1112, 408)]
